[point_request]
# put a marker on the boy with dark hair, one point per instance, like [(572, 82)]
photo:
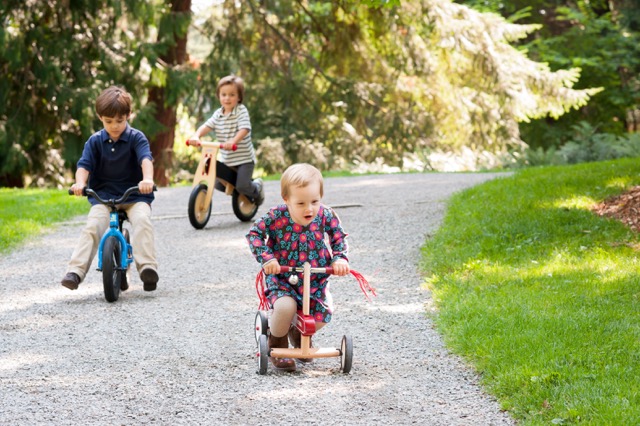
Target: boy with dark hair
[(113, 160)]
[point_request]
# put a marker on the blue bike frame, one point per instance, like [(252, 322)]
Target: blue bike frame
[(126, 251)]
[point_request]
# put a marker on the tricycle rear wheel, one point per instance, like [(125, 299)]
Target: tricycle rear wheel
[(346, 354), (263, 354)]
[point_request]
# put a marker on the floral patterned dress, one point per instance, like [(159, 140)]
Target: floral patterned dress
[(276, 236)]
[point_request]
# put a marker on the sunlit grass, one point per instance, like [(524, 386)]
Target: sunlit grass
[(27, 212), (541, 295)]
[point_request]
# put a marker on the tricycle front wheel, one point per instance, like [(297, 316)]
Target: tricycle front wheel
[(199, 212)]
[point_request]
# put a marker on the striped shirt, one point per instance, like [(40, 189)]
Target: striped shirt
[(226, 127)]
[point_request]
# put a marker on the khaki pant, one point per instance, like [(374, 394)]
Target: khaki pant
[(142, 238)]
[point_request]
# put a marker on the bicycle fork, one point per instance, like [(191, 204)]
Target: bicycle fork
[(126, 250)]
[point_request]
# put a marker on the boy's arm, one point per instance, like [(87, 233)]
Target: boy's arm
[(240, 135), (146, 184), (202, 130), (82, 177)]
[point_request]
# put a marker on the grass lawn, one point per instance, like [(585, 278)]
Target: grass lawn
[(27, 212), (541, 296)]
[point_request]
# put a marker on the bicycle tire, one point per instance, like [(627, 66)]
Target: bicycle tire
[(199, 213), (243, 207), (111, 272)]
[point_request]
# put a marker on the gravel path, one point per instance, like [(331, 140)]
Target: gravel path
[(185, 354)]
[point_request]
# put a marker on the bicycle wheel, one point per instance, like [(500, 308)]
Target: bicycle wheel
[(263, 354), (243, 207), (199, 213), (111, 272), (346, 354), (261, 324)]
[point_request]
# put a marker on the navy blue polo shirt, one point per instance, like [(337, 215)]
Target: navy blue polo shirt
[(115, 166)]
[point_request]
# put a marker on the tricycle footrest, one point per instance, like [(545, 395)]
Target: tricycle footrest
[(306, 324)]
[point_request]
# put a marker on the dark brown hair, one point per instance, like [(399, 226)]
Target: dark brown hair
[(235, 80), (114, 101)]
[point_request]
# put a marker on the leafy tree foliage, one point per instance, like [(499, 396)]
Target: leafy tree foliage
[(55, 56), (601, 38), (361, 83)]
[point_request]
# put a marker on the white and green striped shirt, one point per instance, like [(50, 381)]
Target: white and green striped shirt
[(226, 127)]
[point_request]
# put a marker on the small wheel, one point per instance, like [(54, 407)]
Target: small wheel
[(124, 282), (261, 324), (346, 354), (243, 207), (111, 272), (263, 354), (199, 213)]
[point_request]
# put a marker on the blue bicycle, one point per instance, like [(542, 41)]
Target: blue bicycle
[(115, 253)]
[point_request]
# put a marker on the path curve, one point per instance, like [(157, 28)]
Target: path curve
[(185, 354)]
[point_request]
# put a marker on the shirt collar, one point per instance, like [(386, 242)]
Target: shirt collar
[(125, 136), (232, 113)]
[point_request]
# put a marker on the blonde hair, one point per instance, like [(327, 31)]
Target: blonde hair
[(300, 175), (236, 81)]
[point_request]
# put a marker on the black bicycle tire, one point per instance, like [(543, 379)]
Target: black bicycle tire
[(236, 203), (111, 272), (196, 222)]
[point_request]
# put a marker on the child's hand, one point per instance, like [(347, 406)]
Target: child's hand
[(340, 267), (271, 267), (145, 186), (227, 145), (77, 189)]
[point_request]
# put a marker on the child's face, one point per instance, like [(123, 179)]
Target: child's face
[(114, 125), (229, 97), (304, 202)]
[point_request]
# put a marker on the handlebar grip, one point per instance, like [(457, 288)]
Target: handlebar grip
[(234, 147), (84, 191)]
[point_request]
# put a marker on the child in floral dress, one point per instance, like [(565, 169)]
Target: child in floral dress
[(291, 234)]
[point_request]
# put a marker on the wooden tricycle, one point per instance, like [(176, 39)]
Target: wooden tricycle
[(305, 323), (209, 170)]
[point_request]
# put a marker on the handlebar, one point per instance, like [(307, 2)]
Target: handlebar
[(88, 191), (209, 144), (327, 270)]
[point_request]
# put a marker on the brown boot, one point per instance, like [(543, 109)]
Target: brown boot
[(286, 364), (295, 338)]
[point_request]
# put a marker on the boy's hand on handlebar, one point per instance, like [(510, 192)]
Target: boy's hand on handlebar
[(228, 146), (271, 267), (77, 189), (340, 267), (145, 186)]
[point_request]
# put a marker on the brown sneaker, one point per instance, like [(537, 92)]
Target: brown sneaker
[(295, 338), (286, 364), (71, 281), (149, 279)]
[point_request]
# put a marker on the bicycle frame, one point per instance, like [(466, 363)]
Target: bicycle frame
[(206, 171), (126, 250)]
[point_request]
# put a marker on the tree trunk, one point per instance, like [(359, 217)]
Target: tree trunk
[(162, 143)]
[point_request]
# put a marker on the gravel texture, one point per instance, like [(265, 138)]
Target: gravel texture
[(186, 353)]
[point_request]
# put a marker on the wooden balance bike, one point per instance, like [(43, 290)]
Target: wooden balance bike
[(305, 323), (208, 172)]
